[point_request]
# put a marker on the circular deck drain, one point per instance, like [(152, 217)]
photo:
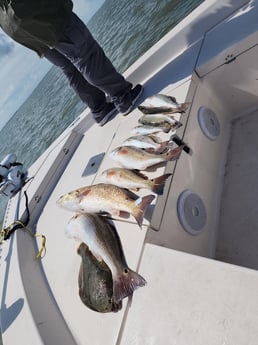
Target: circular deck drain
[(208, 123), (191, 212)]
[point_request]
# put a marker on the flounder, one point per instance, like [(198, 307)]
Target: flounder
[(104, 243), (95, 283)]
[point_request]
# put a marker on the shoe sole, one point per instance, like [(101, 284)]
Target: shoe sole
[(107, 117), (133, 103)]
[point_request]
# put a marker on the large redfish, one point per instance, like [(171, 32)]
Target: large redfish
[(106, 198), (133, 158), (103, 241)]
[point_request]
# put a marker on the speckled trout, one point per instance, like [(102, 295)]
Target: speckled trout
[(133, 158), (103, 241), (150, 143), (160, 103), (106, 198), (134, 180), (146, 130), (159, 120)]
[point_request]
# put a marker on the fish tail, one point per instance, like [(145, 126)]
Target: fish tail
[(125, 284), (175, 153), (141, 206), (158, 184), (183, 107), (177, 124), (163, 147)]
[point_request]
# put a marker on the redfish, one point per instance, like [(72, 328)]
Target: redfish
[(133, 158), (103, 241), (133, 179), (106, 198)]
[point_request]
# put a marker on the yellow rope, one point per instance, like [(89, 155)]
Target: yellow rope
[(4, 232)]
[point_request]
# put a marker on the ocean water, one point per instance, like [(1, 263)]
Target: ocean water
[(126, 30)]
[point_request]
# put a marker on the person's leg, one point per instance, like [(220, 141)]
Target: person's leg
[(78, 45), (88, 93)]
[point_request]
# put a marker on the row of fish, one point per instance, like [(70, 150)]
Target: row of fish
[(158, 118), (104, 277)]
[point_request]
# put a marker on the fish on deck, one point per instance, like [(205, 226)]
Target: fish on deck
[(104, 243), (150, 143), (161, 103), (134, 180), (159, 120), (133, 158), (106, 198), (95, 283), (148, 129)]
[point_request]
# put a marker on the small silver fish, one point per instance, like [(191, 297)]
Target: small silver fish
[(133, 179), (133, 158), (104, 243), (150, 143), (106, 198), (146, 130), (95, 283), (161, 103), (159, 120)]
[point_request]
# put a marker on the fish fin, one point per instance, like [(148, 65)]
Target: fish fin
[(164, 146), (142, 205), (173, 99), (135, 189), (131, 194), (115, 213), (176, 125), (155, 138), (183, 107), (116, 306), (175, 153), (140, 174), (158, 184), (125, 284), (124, 214), (150, 150)]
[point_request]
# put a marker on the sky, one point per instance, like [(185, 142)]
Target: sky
[(21, 69)]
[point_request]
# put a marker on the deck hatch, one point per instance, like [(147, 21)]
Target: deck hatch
[(93, 164), (208, 123), (191, 212)]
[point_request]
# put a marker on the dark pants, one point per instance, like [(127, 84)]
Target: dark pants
[(90, 73)]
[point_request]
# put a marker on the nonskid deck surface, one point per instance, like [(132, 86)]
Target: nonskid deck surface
[(238, 234)]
